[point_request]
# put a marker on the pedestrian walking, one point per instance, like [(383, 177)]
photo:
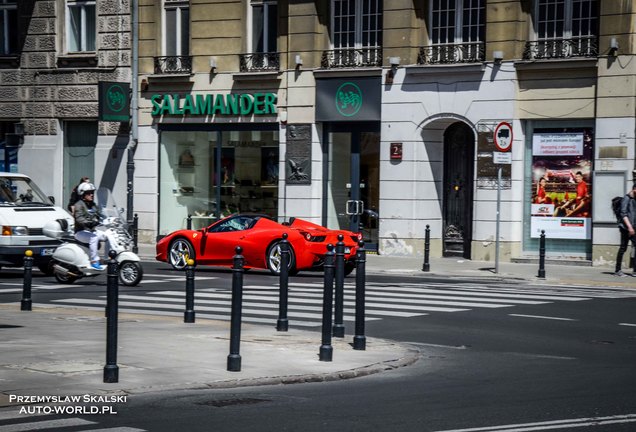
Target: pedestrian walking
[(627, 227)]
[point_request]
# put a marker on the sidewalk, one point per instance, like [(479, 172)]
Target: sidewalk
[(555, 274), (55, 351)]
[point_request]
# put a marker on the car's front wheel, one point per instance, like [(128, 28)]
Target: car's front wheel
[(274, 259), (179, 252)]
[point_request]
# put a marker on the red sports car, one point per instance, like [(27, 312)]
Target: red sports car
[(260, 237)]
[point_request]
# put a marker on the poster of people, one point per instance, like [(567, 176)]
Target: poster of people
[(561, 184)]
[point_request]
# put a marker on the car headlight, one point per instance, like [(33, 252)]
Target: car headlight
[(14, 230)]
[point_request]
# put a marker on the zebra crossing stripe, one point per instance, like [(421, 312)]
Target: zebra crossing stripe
[(45, 424), (485, 294)]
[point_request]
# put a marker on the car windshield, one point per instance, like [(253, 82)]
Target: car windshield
[(235, 223), (21, 191)]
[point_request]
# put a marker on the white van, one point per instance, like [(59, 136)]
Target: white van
[(24, 210)]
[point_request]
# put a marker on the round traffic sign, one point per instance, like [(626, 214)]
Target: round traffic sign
[(503, 137)]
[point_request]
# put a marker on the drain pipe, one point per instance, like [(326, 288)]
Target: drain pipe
[(130, 165)]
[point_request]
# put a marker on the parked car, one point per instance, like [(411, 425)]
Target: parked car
[(24, 211), (260, 237)]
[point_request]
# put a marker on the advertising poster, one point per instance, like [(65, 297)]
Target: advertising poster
[(561, 184)]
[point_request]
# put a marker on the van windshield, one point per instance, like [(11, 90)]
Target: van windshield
[(21, 191)]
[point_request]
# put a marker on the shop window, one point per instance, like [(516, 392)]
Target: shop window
[(564, 28), (236, 169), (356, 33), (8, 27), (457, 32), (81, 22)]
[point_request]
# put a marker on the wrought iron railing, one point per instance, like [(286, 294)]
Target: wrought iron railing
[(173, 65), (259, 62), (352, 57), (470, 52), (586, 46)]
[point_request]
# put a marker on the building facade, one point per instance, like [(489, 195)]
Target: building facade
[(485, 121), (53, 54)]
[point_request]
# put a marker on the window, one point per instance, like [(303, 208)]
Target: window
[(564, 28), (457, 21), (356, 33), (264, 26), (176, 28), (80, 26), (8, 27)]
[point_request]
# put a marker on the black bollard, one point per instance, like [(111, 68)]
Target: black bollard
[(111, 370), (26, 303), (360, 340), (135, 233), (234, 358), (189, 222), (326, 350), (338, 324), (188, 315), (283, 323), (427, 249), (542, 255)]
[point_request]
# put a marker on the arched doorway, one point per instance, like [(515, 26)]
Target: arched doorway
[(459, 154)]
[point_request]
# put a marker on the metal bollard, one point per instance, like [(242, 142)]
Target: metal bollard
[(188, 315), (135, 234), (111, 370), (360, 340), (234, 358), (326, 350), (542, 255), (338, 324), (427, 249), (26, 303), (189, 222), (283, 322)]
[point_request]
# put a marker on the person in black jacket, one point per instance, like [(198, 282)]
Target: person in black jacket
[(87, 217), (627, 228)]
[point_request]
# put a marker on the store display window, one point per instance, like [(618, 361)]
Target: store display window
[(211, 174)]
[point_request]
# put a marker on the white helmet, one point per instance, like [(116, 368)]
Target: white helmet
[(85, 187)]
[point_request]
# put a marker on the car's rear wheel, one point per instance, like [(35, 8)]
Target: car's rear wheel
[(349, 267), (274, 259), (179, 251)]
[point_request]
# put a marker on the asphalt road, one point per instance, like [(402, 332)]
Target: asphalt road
[(543, 358)]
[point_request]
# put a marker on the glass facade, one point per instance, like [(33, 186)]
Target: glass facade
[(198, 169)]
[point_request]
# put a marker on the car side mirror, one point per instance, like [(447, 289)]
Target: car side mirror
[(52, 198)]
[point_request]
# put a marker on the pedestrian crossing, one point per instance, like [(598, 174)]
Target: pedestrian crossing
[(11, 420), (260, 302)]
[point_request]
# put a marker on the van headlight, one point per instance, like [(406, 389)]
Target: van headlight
[(14, 230)]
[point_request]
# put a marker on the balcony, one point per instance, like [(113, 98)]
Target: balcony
[(259, 62), (173, 65), (352, 58), (470, 52), (560, 48)]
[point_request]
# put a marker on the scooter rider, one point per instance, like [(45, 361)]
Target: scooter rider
[(87, 217)]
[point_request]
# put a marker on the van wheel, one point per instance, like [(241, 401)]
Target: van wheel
[(47, 269)]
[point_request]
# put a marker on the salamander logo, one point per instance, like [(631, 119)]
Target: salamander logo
[(348, 99)]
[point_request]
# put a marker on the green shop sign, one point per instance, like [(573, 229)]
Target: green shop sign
[(214, 104)]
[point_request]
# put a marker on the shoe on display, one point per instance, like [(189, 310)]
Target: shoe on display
[(619, 274)]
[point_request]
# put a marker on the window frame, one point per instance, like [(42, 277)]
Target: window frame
[(177, 5), (5, 7), (458, 30), (359, 25), (266, 4), (567, 22), (83, 42)]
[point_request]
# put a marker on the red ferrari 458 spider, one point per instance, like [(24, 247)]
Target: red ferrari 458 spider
[(260, 237)]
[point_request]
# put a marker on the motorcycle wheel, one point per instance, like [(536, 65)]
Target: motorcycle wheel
[(64, 278), (130, 273)]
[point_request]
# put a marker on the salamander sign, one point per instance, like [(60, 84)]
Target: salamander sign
[(214, 104)]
